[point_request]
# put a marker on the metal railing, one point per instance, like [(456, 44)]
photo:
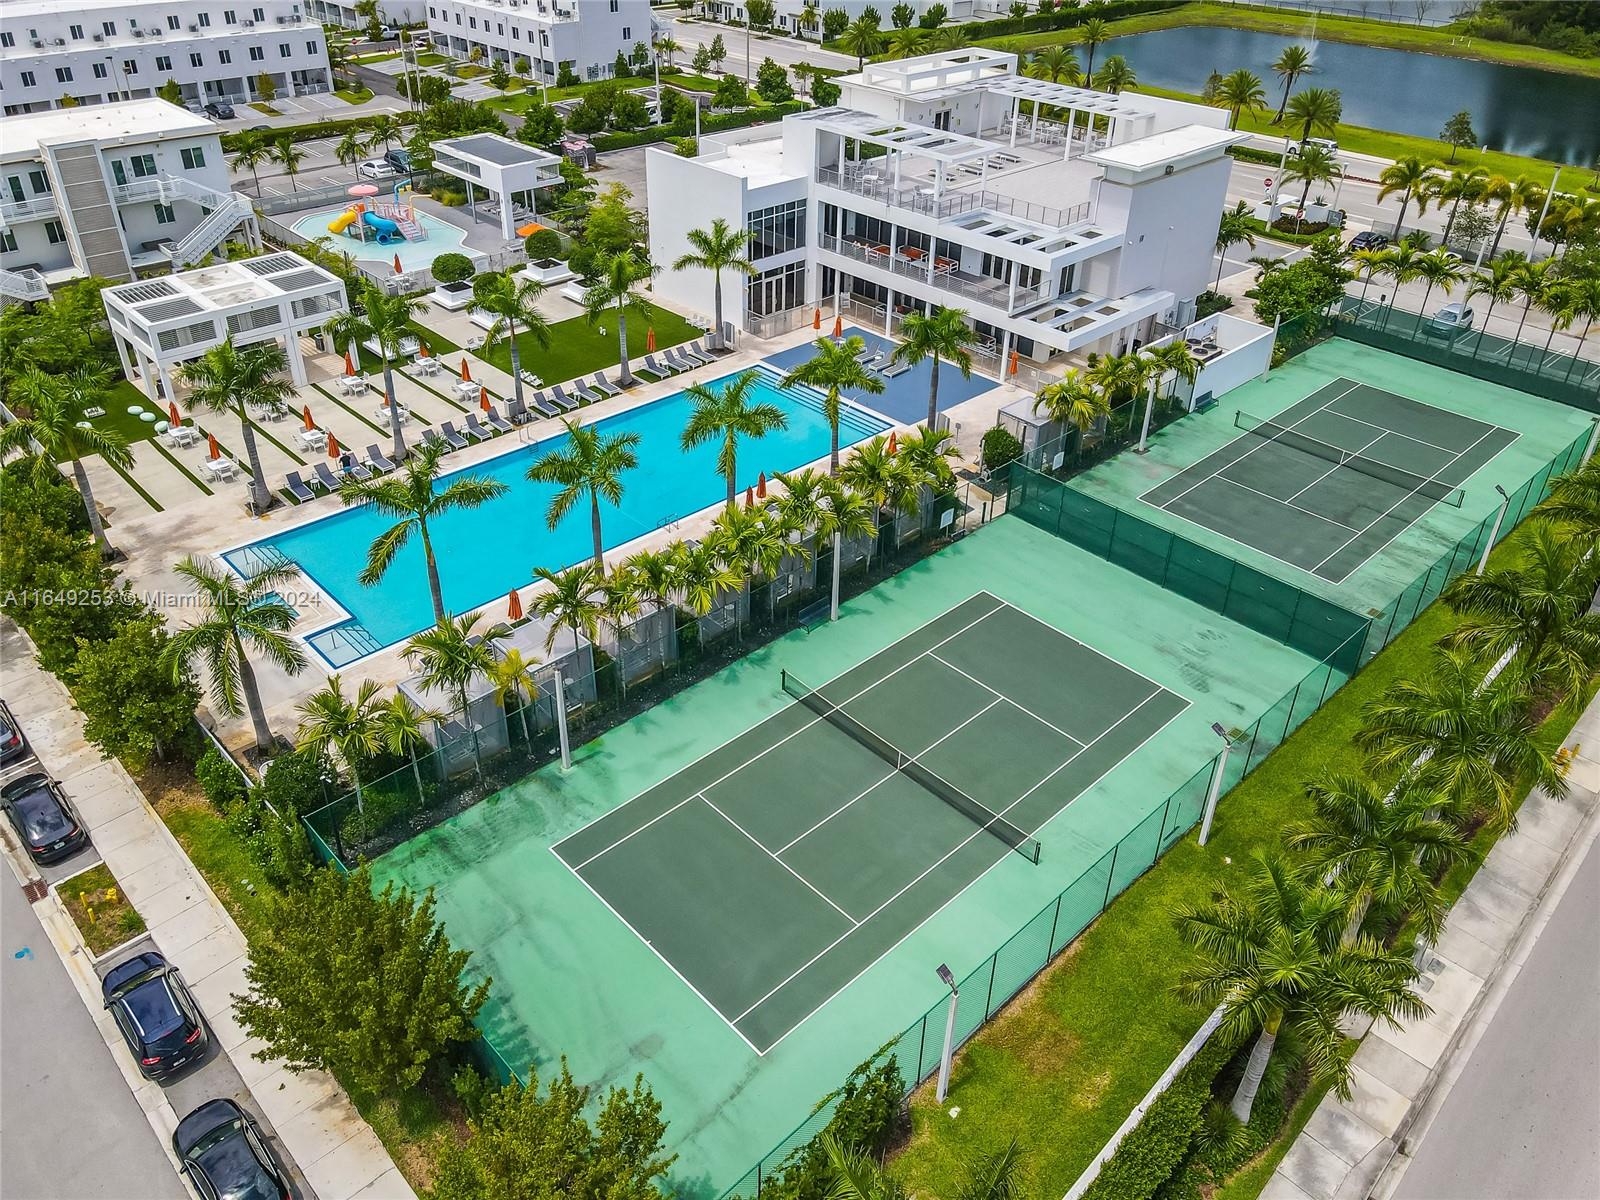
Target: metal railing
[(954, 203), (993, 293), (26, 284), (30, 209)]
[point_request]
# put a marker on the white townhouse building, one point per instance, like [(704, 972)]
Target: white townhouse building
[(584, 35), (110, 191), (1063, 220), (786, 15), (215, 50)]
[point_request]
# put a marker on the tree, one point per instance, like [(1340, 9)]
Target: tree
[(450, 657), (616, 290), (1292, 63), (668, 46), (1093, 32), (227, 379), (512, 676), (251, 155), (630, 111), (1058, 64), (1499, 284), (52, 420), (884, 480), (1458, 132), (1273, 955), (1457, 186), (499, 76), (1314, 164), (238, 616), (592, 463), (718, 51), (386, 320), (612, 224), (542, 125), (996, 1176), (384, 128), (402, 727), (772, 82), (861, 38), (1439, 270), (1175, 359), (1115, 75), (133, 705), (902, 15), (933, 16), (266, 88), (345, 728), (731, 93), (856, 1174), (1072, 400), (942, 335), (832, 370), (451, 267), (702, 60), (1237, 91), (907, 43), (171, 92), (513, 302), (1530, 279), (834, 22), (1237, 225), (541, 1147), (1316, 111), (364, 985), (721, 247), (352, 148), (729, 414), (574, 600)]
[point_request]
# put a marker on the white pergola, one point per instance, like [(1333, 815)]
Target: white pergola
[(899, 141), (505, 169), (1124, 120), (159, 324)]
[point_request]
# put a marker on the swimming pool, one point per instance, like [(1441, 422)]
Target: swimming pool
[(442, 238), (484, 553)]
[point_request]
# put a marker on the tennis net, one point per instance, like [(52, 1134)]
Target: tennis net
[(1264, 427), (980, 814)]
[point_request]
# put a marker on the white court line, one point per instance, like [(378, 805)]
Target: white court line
[(779, 861), (1395, 432), (1319, 516), (1336, 466), (995, 692)]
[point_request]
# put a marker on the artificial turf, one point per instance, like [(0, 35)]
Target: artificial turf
[(578, 347)]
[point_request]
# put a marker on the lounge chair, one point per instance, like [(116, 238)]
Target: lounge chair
[(540, 403), (560, 399), (378, 460), (477, 429), (695, 352), (429, 438), (297, 489), (601, 384), (655, 368), (674, 359), (891, 368), (496, 420), (587, 394), (326, 477), (868, 353), (452, 436)]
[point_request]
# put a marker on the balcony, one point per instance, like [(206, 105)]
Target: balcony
[(35, 208), (864, 182), (945, 276)]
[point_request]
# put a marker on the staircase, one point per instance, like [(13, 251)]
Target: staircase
[(22, 285), (212, 231), (94, 233), (413, 231)]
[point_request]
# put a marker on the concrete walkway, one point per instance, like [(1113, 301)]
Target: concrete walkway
[(341, 1157), (1350, 1149)]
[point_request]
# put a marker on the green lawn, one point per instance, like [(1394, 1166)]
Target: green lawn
[(579, 348), (1063, 1066), (430, 58), (356, 95)]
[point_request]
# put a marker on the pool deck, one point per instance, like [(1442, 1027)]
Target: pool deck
[(196, 523)]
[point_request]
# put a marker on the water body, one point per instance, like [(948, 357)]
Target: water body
[(1516, 109)]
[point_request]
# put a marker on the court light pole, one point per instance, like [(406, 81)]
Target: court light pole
[(1505, 503), (1594, 436), (1216, 780), (838, 553), (561, 719), (949, 981)]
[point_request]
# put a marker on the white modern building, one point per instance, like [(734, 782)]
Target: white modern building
[(214, 50), (160, 324), (1063, 220), (111, 191), (511, 173), (584, 35)]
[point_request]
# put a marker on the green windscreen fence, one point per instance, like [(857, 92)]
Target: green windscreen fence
[(1270, 606)]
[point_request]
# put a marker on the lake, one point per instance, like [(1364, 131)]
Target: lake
[(1516, 109)]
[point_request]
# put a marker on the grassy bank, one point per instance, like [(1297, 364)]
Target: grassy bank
[(1359, 30)]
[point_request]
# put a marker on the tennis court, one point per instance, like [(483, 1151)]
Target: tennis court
[(1330, 481), (777, 868)]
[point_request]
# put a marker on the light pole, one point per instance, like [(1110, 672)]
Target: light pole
[(561, 719), (1505, 503), (949, 981), (1544, 212), (1216, 781)]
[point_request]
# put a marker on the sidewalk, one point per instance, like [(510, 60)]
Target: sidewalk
[(336, 1150), (1348, 1145)]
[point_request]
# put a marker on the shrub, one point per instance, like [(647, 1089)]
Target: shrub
[(219, 779), (866, 1115), (1000, 447), (450, 199), (566, 77), (294, 784), (582, 260), (731, 93), (772, 83), (276, 844), (131, 706), (630, 111), (687, 147), (543, 243), (452, 268)]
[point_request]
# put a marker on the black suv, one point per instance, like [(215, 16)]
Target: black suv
[(223, 1154), (155, 1012), (43, 818), (220, 109), (1369, 239)]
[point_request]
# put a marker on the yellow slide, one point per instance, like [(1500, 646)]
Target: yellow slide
[(343, 220)]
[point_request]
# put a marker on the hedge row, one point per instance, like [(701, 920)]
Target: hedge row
[(232, 142), (717, 123), (1270, 158), (1061, 18)]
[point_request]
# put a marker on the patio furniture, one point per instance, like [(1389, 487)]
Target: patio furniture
[(892, 369), (350, 467), (401, 412), (943, 266), (467, 389), (476, 428), (656, 369), (540, 404), (352, 384), (218, 468), (560, 399), (430, 438), (298, 489), (452, 436), (326, 477), (429, 366), (587, 394), (496, 420), (532, 380), (695, 352), (182, 436), (313, 439), (677, 361), (603, 385), (377, 458), (867, 355)]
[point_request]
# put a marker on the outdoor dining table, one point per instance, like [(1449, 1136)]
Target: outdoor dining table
[(912, 253), (401, 411), (314, 438), (352, 384), (467, 389), (428, 366), (183, 435), (218, 468)]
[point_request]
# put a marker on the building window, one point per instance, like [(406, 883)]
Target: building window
[(173, 22), (109, 28), (8, 241), (516, 34), (195, 60), (777, 290), (472, 22), (228, 17), (311, 47), (194, 157), (129, 67), (258, 14), (224, 57), (257, 53), (163, 62), (164, 214), (100, 70), (39, 181), (27, 79), (627, 33), (54, 233), (144, 165), (76, 31), (778, 229), (7, 39), (283, 50), (63, 74), (205, 20), (613, 5)]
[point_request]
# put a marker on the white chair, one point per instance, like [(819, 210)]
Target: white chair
[(313, 439)]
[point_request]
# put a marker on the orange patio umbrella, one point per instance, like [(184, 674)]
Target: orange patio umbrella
[(333, 446), (422, 349), (749, 498), (483, 398), (305, 413), (893, 445), (1012, 370), (397, 270), (216, 450), (514, 607), (650, 340), (349, 364), (466, 371), (761, 485), (838, 327), (172, 413), (816, 319)]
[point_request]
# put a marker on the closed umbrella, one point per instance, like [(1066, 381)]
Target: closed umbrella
[(1013, 368), (838, 327), (650, 341), (422, 349), (172, 413), (216, 450), (893, 446), (761, 486), (466, 371), (816, 319), (349, 364), (333, 446), (483, 398), (749, 498), (305, 413), (397, 270), (514, 607)]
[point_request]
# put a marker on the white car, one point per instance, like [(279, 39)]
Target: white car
[(1451, 321), (375, 168)]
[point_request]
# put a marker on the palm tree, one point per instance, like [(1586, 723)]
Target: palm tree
[(1509, 197), (251, 155), (853, 516), (668, 46), (1316, 110), (449, 656), (1314, 164), (729, 414), (1439, 270), (948, 37), (286, 152), (1120, 376), (752, 543), (1058, 64), (1092, 33), (1531, 280), (1399, 265), (704, 575), (996, 1176), (654, 575), (226, 379), (1574, 501), (1408, 178), (927, 454), (831, 370), (907, 43), (575, 600), (1274, 957), (1455, 187), (1368, 262), (591, 463), (942, 335), (401, 727), (385, 128), (512, 300), (343, 727), (1176, 358), (1239, 90), (1480, 739), (884, 480), (619, 605), (1500, 285), (1538, 611), (1236, 226), (238, 615), (512, 677), (1376, 848), (717, 249), (412, 498), (351, 149), (861, 38), (617, 279), (53, 421), (1115, 74), (856, 1175), (385, 320), (1294, 62), (1586, 303), (1073, 400)]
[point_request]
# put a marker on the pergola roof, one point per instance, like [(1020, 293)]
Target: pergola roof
[(937, 144), (1060, 95)]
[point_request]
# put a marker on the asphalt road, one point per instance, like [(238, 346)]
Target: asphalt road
[(786, 51), (1523, 1120), (69, 1127)]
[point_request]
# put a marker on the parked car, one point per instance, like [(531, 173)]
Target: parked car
[(1369, 239), (220, 109), (43, 818), (1451, 321), (1328, 144), (375, 168), (399, 160), (259, 129), (155, 1012), (223, 1155), (12, 744)]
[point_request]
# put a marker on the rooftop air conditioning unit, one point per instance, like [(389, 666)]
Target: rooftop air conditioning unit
[(248, 24), (194, 29), (38, 43), (99, 37), (138, 33), (155, 33)]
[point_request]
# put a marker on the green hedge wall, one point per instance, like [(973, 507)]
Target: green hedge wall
[(1061, 18), (715, 123), (300, 133)]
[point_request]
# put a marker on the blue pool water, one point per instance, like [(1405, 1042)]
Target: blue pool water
[(484, 553), (905, 397)]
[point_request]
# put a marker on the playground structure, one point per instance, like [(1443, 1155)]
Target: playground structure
[(369, 221)]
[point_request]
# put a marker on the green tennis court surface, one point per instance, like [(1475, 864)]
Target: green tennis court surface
[(777, 868), (1330, 481)]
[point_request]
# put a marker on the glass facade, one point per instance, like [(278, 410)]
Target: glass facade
[(777, 290), (777, 230)]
